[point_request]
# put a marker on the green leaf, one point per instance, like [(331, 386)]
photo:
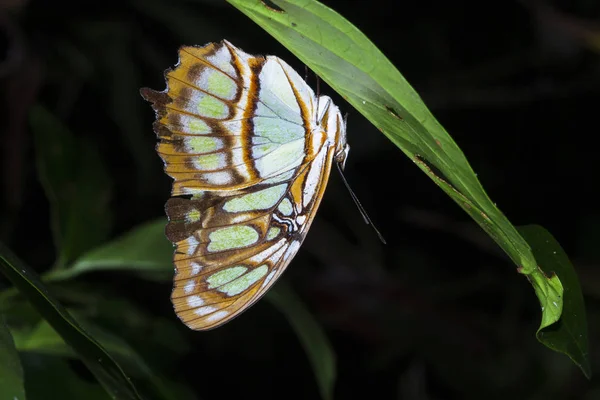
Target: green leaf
[(145, 249), (11, 371), (42, 339), (312, 337), (100, 363), (351, 64), (569, 335), (76, 184)]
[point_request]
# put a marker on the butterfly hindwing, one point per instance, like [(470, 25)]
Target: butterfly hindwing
[(250, 148)]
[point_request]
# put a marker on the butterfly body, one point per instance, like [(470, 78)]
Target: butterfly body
[(249, 147)]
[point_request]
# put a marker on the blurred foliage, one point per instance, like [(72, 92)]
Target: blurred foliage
[(432, 315)]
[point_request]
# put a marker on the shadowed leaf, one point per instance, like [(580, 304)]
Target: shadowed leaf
[(311, 335), (144, 249), (569, 334), (42, 339), (100, 363), (76, 185), (11, 371)]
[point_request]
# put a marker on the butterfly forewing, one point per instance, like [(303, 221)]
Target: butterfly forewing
[(240, 137)]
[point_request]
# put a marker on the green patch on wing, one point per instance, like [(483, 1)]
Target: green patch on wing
[(221, 85), (242, 283), (225, 276), (259, 200), (232, 237), (210, 107)]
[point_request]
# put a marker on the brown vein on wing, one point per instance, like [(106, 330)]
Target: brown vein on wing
[(225, 300), (180, 151), (200, 277), (235, 299), (219, 299), (169, 125), (338, 129), (258, 216), (239, 80), (192, 183), (180, 111), (229, 166), (256, 66), (305, 117), (229, 102), (260, 246), (191, 85), (325, 120), (207, 62), (313, 205), (240, 83), (226, 168), (245, 222)]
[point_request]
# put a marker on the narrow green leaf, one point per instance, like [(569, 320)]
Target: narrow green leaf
[(569, 335), (100, 363), (351, 64), (311, 335), (11, 371), (143, 249), (76, 184)]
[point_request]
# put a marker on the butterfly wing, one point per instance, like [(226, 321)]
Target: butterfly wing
[(225, 120), (238, 133), (234, 254)]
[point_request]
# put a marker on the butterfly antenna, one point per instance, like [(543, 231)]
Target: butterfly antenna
[(361, 209)]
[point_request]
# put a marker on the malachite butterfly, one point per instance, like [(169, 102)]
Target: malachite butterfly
[(249, 147)]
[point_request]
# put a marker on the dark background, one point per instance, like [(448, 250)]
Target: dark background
[(437, 313)]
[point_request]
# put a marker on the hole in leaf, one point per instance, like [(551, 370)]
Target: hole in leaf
[(272, 6), (394, 112), (431, 169), (439, 177)]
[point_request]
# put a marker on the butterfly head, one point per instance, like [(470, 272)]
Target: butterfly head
[(342, 155), (330, 118), (342, 148)]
